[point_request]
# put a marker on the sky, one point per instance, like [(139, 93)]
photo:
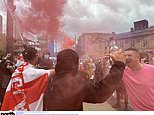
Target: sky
[(3, 14), (105, 16)]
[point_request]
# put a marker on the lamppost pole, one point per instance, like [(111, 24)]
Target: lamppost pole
[(10, 9)]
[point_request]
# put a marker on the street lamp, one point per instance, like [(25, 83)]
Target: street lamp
[(9, 40)]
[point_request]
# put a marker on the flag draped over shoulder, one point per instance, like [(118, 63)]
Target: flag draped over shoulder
[(25, 90)]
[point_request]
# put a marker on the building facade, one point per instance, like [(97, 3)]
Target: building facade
[(92, 44), (140, 37)]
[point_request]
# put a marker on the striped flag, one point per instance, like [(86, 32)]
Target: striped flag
[(26, 89)]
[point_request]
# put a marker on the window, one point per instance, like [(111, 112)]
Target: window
[(138, 40), (145, 43), (132, 43)]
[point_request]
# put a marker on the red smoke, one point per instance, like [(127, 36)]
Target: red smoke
[(67, 42), (42, 17)]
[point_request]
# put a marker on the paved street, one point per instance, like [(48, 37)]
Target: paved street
[(98, 107), (106, 106)]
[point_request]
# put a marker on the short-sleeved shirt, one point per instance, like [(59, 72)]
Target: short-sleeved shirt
[(140, 87)]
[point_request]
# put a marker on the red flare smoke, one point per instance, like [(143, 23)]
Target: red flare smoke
[(42, 17), (67, 42)]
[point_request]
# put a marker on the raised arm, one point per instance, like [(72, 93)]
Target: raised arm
[(101, 91)]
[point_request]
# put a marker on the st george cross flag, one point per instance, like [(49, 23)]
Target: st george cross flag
[(20, 60), (26, 89)]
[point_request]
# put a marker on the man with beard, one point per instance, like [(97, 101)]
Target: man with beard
[(139, 81)]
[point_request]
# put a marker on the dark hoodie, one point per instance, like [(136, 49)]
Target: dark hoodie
[(66, 92)]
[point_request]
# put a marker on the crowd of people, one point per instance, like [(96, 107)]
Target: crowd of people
[(37, 85)]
